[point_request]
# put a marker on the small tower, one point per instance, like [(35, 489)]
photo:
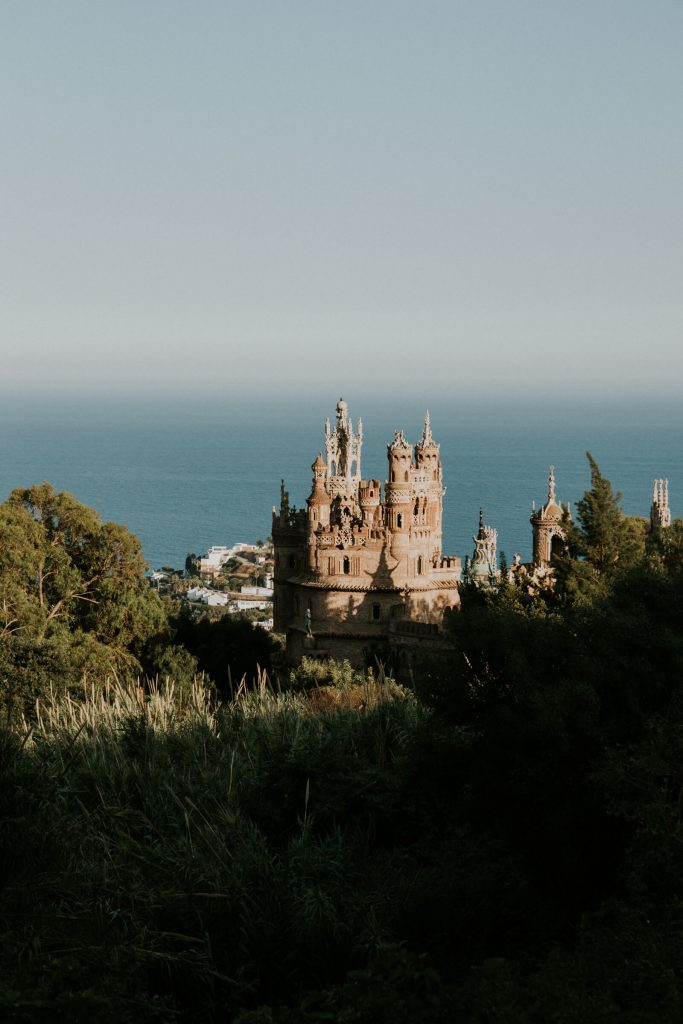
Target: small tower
[(483, 568), (546, 524), (370, 493), (343, 452), (428, 481), (427, 453), (660, 513), (398, 490), (319, 498)]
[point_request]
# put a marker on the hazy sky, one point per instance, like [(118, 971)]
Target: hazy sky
[(480, 197)]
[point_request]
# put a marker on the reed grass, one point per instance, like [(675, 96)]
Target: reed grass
[(164, 854)]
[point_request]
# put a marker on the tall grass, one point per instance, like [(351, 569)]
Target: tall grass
[(172, 857)]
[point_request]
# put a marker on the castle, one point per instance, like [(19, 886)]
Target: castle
[(354, 566), (358, 568)]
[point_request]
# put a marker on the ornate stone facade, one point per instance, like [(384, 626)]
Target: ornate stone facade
[(546, 525), (361, 560), (660, 513), (483, 568), (362, 565)]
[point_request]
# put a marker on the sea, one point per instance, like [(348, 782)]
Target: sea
[(185, 473)]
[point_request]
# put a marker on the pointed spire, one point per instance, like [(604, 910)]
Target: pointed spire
[(427, 432), (551, 485), (481, 519)]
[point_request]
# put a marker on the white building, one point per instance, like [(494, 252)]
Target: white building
[(257, 591), (218, 555), (206, 596), (214, 559), (246, 604)]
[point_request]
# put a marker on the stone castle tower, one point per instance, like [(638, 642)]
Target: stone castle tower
[(546, 525), (483, 567), (660, 513), (356, 563)]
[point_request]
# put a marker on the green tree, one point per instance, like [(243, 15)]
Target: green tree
[(600, 544), (226, 649), (73, 594)]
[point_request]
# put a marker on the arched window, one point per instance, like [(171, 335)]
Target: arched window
[(419, 565), (393, 476), (314, 516), (346, 565), (375, 613), (399, 520), (406, 476)]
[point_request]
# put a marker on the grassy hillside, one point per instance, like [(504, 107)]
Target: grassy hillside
[(339, 855)]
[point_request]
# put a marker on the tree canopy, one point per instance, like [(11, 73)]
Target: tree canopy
[(601, 543), (73, 595)]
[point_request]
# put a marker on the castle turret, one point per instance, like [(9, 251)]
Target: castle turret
[(483, 569), (319, 498), (369, 497), (343, 447), (289, 540), (427, 453), (399, 490), (428, 483), (546, 526), (660, 513)]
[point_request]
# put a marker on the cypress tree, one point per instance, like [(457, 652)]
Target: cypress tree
[(610, 540), (601, 543)]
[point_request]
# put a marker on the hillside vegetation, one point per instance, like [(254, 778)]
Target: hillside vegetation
[(500, 843)]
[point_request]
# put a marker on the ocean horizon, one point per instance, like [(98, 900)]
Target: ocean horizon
[(187, 473)]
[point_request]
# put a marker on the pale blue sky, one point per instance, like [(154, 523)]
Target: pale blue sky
[(446, 197)]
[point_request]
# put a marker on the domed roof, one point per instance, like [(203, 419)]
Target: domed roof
[(552, 510)]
